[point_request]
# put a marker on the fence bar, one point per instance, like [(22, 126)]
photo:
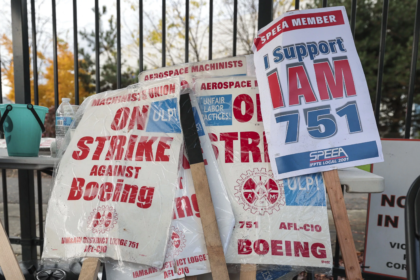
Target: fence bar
[(5, 202), (141, 36), (324, 3), (187, 28), (353, 17), (40, 210), (54, 22), (381, 60), (118, 44), (412, 73), (97, 65), (76, 55), (235, 24), (211, 30), (297, 4), (163, 33), (265, 13), (3, 175), (21, 52), (34, 53)]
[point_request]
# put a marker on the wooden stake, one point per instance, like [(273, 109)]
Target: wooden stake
[(8, 261), (90, 269), (342, 225), (209, 222), (202, 191), (248, 272)]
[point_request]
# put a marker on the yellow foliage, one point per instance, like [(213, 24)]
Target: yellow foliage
[(65, 60)]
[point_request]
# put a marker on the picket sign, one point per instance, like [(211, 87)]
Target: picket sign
[(202, 191), (316, 105), (8, 261), (342, 224)]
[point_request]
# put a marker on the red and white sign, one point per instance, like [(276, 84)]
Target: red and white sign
[(218, 67), (114, 191), (385, 231), (279, 222), (315, 101)]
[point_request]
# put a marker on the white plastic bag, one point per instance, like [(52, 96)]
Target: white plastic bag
[(114, 189)]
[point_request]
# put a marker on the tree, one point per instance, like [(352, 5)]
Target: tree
[(399, 41), (65, 60), (107, 49), (175, 33)]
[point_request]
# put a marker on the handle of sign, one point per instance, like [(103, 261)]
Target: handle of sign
[(248, 272), (209, 222), (90, 269), (342, 225), (8, 261)]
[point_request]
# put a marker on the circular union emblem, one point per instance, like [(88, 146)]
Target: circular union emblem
[(102, 219), (51, 274), (259, 193), (176, 243)]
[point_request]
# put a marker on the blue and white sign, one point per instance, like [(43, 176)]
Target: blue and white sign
[(216, 109), (316, 106), (164, 117)]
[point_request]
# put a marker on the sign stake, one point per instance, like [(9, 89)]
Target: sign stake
[(248, 272), (90, 269), (342, 224), (202, 191), (8, 261)]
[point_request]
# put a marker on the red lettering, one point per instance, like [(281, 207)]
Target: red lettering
[(84, 150), (334, 84), (304, 250), (105, 191), (138, 118), (276, 248), (144, 148), (275, 89), (145, 197), (249, 108), (247, 147), (319, 254), (229, 137), (265, 247), (76, 189), (244, 247), (116, 148), (164, 144), (120, 118), (297, 75), (91, 191)]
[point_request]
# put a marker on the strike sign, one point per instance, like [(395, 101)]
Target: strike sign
[(114, 190), (316, 108)]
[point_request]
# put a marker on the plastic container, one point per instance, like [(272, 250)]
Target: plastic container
[(22, 126), (63, 118)]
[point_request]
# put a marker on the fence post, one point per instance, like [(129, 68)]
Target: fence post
[(265, 13)]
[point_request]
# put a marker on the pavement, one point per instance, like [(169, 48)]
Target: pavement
[(356, 205)]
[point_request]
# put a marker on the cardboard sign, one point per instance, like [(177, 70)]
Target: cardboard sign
[(316, 106), (187, 253), (277, 222), (114, 191), (385, 230), (218, 67)]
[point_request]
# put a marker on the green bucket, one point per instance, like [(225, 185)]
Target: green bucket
[(22, 126)]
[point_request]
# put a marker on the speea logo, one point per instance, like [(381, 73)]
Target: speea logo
[(328, 156)]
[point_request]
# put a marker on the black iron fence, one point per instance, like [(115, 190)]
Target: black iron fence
[(22, 85)]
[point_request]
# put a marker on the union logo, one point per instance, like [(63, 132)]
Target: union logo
[(102, 219), (176, 243), (259, 193)]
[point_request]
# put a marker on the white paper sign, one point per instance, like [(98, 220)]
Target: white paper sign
[(218, 67), (277, 222), (316, 107), (114, 191), (385, 233)]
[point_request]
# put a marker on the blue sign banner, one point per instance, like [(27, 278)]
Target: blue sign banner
[(216, 109), (308, 190), (164, 117), (325, 157)]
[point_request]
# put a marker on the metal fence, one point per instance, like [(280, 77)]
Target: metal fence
[(29, 240)]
